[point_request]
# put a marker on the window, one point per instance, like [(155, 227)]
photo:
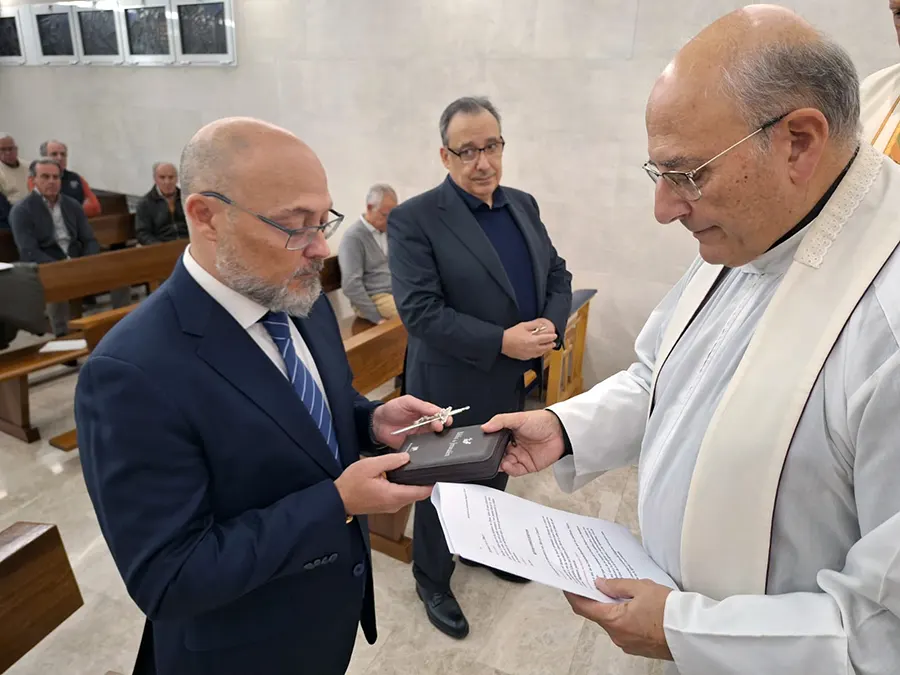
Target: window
[(12, 42), (55, 42), (148, 35), (205, 32), (99, 32)]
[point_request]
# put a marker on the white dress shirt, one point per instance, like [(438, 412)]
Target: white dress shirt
[(380, 237), (248, 314), (63, 238)]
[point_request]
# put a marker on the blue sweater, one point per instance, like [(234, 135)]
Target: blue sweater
[(509, 243)]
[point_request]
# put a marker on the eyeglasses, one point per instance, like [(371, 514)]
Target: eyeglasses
[(297, 239), (682, 182), (469, 155)]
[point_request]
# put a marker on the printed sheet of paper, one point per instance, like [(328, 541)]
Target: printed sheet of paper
[(64, 346), (560, 549)]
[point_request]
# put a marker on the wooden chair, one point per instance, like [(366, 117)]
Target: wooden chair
[(37, 588), (564, 372)]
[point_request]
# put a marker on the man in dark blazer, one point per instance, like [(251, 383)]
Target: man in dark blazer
[(48, 226), (220, 433), (483, 295)]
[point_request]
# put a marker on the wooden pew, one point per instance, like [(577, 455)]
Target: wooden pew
[(37, 588), (64, 281), (565, 378)]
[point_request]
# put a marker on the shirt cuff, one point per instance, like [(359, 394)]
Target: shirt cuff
[(567, 444)]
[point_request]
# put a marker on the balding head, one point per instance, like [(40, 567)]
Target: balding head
[(757, 63), (764, 75), (263, 176)]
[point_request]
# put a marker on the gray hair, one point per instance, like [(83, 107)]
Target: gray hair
[(376, 194), (32, 168), (4, 136), (156, 165), (467, 105), (42, 151), (777, 79)]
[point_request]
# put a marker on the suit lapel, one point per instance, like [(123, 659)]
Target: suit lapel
[(232, 353), (460, 221), (316, 338), (529, 232)]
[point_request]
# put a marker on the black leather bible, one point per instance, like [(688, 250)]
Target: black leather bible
[(456, 455)]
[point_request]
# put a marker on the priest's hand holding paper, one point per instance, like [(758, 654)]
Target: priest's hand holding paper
[(635, 626), (537, 440)]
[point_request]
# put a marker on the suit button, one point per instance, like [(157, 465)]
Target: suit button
[(332, 557), (358, 569)]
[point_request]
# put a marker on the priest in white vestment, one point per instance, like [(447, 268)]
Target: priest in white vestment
[(880, 101), (764, 404)]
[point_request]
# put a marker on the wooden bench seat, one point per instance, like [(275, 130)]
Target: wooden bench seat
[(37, 588), (68, 280), (15, 367)]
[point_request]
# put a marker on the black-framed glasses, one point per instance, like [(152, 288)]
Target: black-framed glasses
[(469, 155), (683, 183), (297, 239)]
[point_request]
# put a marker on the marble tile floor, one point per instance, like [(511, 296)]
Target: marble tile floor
[(516, 630)]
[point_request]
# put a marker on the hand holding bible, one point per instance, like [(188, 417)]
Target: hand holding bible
[(537, 440)]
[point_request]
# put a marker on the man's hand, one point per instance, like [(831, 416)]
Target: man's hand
[(522, 343), (636, 626), (399, 413), (537, 440), (364, 489)]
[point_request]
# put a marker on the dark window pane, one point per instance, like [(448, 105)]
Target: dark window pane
[(9, 37), (148, 32), (55, 35), (98, 33), (203, 28)]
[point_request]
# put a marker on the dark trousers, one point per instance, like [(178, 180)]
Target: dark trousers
[(432, 561)]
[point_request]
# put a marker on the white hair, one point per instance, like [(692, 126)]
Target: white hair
[(376, 194), (4, 136)]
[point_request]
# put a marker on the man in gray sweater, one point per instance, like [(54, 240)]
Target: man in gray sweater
[(363, 258)]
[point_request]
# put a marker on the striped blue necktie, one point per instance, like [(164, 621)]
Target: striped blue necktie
[(279, 327)]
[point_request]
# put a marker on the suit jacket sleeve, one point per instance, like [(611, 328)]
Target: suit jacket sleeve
[(351, 258), (420, 300), (148, 478), (143, 224), (91, 204), (558, 301), (86, 233), (21, 222)]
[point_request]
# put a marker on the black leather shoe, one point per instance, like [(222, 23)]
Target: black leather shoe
[(506, 576), (444, 613)]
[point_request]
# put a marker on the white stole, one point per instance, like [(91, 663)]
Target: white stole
[(731, 502)]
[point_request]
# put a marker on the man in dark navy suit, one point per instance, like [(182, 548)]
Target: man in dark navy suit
[(483, 295), (220, 433)]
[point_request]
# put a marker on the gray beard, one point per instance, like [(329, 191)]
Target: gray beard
[(274, 298)]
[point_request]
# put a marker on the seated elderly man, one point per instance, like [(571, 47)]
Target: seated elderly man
[(363, 257), (73, 184), (49, 226), (13, 171), (160, 216)]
